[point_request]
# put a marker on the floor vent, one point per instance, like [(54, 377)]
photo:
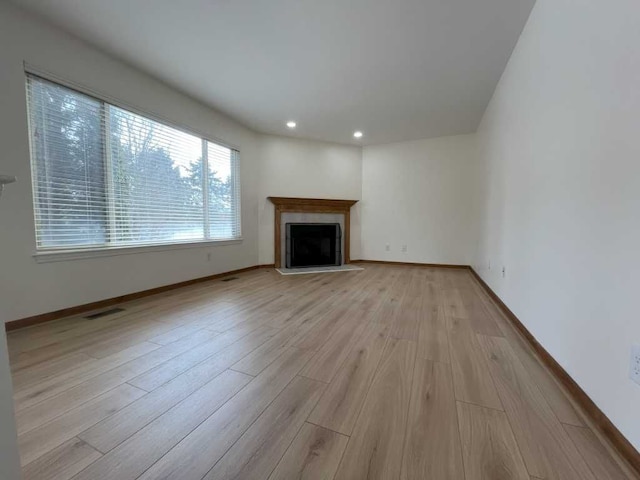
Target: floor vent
[(229, 279), (104, 313)]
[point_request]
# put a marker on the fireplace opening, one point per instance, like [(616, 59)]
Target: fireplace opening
[(313, 244)]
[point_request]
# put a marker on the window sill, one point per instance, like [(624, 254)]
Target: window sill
[(82, 253)]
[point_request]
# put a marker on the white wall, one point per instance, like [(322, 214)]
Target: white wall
[(419, 194), (28, 288), (560, 155), (292, 167)]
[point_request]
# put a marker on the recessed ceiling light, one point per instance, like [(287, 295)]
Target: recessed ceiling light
[(357, 134), (291, 124)]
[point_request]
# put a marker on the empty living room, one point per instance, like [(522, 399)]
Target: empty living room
[(337, 240)]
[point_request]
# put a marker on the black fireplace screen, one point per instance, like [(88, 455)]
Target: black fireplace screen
[(313, 244)]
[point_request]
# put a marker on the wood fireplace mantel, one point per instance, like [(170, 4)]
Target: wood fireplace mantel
[(312, 205)]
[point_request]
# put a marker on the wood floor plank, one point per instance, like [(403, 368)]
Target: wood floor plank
[(175, 334), (552, 391), (61, 463), (454, 278), (372, 294), (194, 456), (41, 440), (328, 359), (432, 294), (41, 371), (54, 385), (417, 284), (194, 310), (258, 450), (406, 320), (341, 402), (112, 431), (315, 337), (139, 452), (122, 341), (399, 287), (375, 447), (546, 448), (381, 284), (292, 309), (269, 351), (298, 314), (304, 307), (163, 373), (86, 330), (475, 311), (17, 339), (432, 445), (313, 455), (471, 378), (388, 312), (490, 306), (489, 448), (67, 399), (453, 304), (253, 308), (51, 352), (603, 466), (433, 343)]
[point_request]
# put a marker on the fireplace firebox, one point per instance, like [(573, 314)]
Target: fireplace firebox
[(313, 244)]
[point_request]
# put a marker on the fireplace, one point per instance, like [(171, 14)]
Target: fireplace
[(313, 245), (307, 211)]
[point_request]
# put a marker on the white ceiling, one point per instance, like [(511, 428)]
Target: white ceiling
[(395, 69)]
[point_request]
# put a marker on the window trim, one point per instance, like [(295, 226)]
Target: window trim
[(54, 254)]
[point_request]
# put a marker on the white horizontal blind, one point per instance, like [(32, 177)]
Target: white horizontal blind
[(156, 176), (224, 192), (104, 176), (68, 166)]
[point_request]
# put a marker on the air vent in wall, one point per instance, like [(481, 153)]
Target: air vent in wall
[(104, 313)]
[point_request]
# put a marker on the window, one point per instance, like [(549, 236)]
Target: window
[(104, 176)]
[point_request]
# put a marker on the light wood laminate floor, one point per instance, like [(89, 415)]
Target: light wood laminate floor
[(391, 372)]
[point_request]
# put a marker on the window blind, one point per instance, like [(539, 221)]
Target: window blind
[(104, 176)]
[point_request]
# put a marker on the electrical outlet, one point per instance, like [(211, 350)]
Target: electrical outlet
[(504, 272), (387, 247), (404, 249), (489, 264), (634, 367), (208, 257)]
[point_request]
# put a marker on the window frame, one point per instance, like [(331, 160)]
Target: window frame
[(53, 254)]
